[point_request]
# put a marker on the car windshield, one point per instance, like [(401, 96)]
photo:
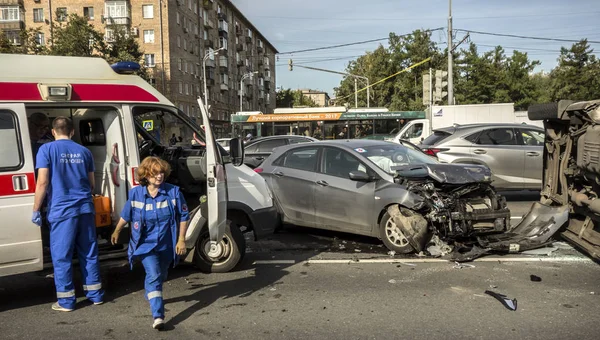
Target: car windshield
[(386, 156)]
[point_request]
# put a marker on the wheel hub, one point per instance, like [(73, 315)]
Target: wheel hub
[(214, 251), (394, 234)]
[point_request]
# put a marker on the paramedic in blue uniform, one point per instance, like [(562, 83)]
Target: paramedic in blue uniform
[(158, 216), (66, 178)]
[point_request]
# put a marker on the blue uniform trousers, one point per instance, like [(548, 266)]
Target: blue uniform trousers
[(65, 235), (156, 263)]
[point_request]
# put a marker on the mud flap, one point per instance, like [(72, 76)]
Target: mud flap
[(534, 231)]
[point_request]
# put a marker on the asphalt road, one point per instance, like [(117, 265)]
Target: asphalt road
[(306, 284)]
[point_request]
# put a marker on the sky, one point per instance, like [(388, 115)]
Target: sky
[(292, 25)]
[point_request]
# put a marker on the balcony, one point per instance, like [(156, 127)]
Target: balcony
[(224, 87), (268, 99), (260, 62), (238, 30), (267, 65), (210, 82), (117, 20), (221, 16), (260, 48), (16, 25), (207, 4), (248, 39), (209, 44), (208, 23), (11, 2), (223, 64), (210, 63), (240, 47)]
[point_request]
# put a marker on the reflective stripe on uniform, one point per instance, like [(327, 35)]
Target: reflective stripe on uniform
[(162, 204), (174, 201), (137, 204), (96, 286), (148, 207), (70, 293), (155, 294)]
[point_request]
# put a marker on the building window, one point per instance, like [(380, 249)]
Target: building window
[(184, 66), (88, 12), (180, 87), (38, 15), (223, 43), (184, 22), (177, 15), (185, 44), (40, 40), (149, 60), (195, 7), (109, 35), (61, 14), (148, 11), (205, 35), (116, 9), (190, 4), (249, 33), (187, 89), (149, 36), (179, 41), (219, 9), (10, 13), (224, 78), (179, 64)]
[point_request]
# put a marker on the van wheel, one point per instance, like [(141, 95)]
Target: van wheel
[(230, 250), (392, 236)]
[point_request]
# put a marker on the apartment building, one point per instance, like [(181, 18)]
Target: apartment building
[(177, 37), (320, 98)]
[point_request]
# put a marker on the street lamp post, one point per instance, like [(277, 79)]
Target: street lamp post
[(206, 56), (247, 75)]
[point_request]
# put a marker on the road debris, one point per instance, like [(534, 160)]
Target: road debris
[(458, 265), (392, 281), (357, 250), (411, 264), (391, 253), (541, 251), (510, 304), (535, 278)]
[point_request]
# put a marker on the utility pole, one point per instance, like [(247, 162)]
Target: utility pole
[(355, 93), (450, 61)]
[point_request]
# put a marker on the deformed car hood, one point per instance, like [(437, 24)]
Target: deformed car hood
[(446, 173)]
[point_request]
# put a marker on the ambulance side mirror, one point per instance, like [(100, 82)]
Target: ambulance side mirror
[(236, 151)]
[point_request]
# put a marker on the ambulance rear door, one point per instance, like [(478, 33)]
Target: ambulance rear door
[(20, 239)]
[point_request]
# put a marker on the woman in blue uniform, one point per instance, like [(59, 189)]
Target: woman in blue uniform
[(158, 216)]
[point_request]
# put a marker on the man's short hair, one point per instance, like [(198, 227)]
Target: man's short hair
[(63, 126)]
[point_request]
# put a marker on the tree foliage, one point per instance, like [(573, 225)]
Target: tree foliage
[(479, 78), (291, 98)]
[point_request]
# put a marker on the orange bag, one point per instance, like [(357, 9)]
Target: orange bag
[(102, 207)]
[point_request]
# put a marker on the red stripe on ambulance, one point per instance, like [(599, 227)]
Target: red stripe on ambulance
[(80, 93), (17, 184)]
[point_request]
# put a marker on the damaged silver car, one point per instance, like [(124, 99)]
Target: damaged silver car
[(386, 190)]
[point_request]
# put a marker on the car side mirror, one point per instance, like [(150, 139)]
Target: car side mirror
[(236, 151), (359, 176)]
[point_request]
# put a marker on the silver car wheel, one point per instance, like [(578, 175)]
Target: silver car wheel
[(394, 234)]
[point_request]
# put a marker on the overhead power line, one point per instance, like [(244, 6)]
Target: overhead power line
[(526, 37), (351, 44)]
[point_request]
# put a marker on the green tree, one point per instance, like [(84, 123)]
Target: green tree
[(521, 85), (124, 47), (5, 45), (76, 37), (577, 75)]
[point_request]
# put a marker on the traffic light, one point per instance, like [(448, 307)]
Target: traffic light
[(441, 82), (426, 90), (291, 65)]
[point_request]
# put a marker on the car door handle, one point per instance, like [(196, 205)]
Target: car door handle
[(20, 183), (259, 158), (278, 173), (323, 183), (479, 151), (533, 154)]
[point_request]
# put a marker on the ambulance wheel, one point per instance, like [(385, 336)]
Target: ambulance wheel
[(230, 251)]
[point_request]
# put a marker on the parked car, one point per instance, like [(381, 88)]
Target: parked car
[(384, 190), (513, 152), (257, 150), (224, 142)]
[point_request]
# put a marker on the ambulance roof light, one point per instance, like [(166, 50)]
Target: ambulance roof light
[(125, 67)]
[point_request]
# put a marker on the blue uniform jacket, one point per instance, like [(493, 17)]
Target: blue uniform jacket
[(136, 209)]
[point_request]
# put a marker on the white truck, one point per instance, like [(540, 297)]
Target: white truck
[(417, 130)]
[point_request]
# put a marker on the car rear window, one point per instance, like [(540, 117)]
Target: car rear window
[(436, 137)]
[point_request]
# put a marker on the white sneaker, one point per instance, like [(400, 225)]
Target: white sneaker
[(56, 306), (98, 303), (158, 324)]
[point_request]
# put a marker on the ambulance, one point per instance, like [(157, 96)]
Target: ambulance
[(121, 119)]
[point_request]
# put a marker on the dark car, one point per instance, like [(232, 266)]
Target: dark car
[(257, 150)]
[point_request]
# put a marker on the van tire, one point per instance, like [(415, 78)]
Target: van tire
[(232, 247)]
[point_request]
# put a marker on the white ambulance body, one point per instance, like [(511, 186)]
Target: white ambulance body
[(121, 119)]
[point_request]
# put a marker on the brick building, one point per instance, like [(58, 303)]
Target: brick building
[(175, 36)]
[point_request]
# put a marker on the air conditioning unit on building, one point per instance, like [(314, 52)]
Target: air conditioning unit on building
[(135, 31)]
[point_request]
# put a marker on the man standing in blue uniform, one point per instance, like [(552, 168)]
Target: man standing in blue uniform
[(66, 177)]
